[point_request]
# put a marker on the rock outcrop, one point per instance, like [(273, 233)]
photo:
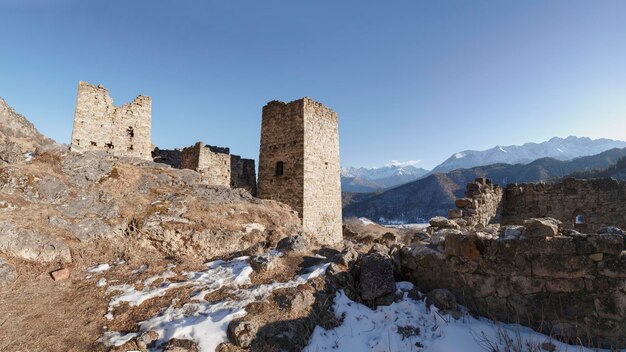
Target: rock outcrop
[(18, 136)]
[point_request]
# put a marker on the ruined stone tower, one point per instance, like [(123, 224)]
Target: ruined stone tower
[(99, 125), (299, 164)]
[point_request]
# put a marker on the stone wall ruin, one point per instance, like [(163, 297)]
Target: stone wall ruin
[(99, 125), (521, 255), (570, 286), (585, 205), (299, 164), (218, 167)]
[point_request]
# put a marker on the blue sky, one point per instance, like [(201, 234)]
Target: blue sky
[(410, 80)]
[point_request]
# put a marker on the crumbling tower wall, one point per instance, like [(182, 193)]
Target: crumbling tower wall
[(99, 125), (242, 173), (212, 162), (299, 164)]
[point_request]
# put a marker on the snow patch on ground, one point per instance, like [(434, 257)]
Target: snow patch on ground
[(366, 221), (409, 226), (199, 320), (99, 268), (408, 325)]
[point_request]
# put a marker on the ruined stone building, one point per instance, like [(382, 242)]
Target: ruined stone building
[(218, 167), (584, 205), (99, 125), (299, 164), (550, 256)]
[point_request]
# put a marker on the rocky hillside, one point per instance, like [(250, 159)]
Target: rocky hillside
[(17, 135), (63, 210), (434, 195), (556, 148)]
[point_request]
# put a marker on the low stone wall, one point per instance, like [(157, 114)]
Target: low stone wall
[(596, 203), (482, 203), (569, 286)]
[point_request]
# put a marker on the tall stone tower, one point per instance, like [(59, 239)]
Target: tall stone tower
[(99, 125), (299, 164)]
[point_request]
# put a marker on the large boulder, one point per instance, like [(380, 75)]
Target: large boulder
[(241, 332), (442, 299), (376, 279), (442, 223), (610, 230), (541, 227), (296, 243), (33, 246)]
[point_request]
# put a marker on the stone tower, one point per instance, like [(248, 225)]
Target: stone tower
[(299, 164), (99, 125)]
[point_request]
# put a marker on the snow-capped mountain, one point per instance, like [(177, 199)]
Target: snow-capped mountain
[(557, 148), (371, 179)]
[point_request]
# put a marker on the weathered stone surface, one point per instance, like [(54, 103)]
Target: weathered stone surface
[(513, 232), (299, 164), (379, 248), (562, 266), (608, 243), (241, 332), (85, 229), (463, 202), (482, 204), (376, 277), (596, 257), (212, 162), (296, 243), (455, 213), (61, 274), (464, 246), (614, 267), (530, 278), (346, 257), (565, 285), (180, 345), (7, 273), (442, 223), (99, 125), (439, 236), (597, 203), (541, 227), (218, 167), (18, 136), (442, 299), (526, 285), (610, 230), (264, 263), (147, 338), (29, 245)]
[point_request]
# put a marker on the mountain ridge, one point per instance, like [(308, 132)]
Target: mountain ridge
[(434, 194), (558, 148)]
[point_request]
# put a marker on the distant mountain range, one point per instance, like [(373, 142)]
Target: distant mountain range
[(557, 148), (364, 180), (374, 179), (434, 195)]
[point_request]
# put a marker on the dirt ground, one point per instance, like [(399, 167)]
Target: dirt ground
[(39, 314)]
